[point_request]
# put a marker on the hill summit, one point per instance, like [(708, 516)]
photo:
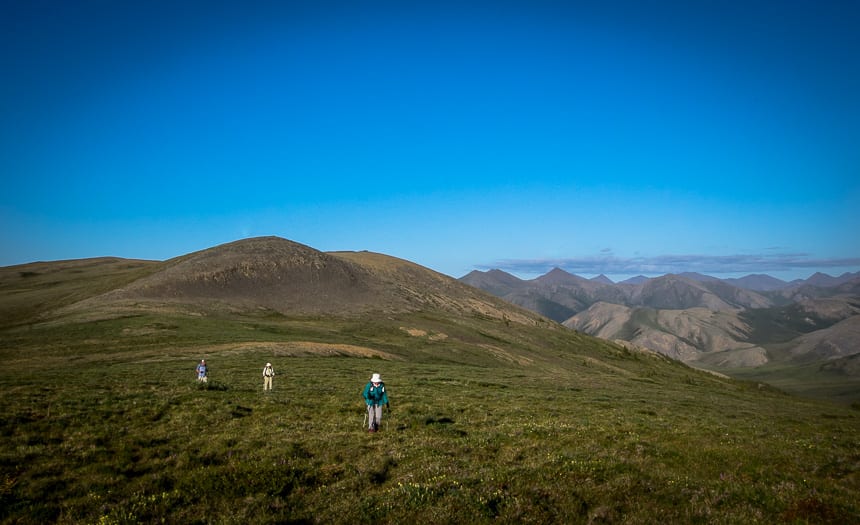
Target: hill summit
[(290, 278), (270, 272)]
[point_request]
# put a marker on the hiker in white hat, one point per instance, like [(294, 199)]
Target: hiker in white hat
[(375, 396), (268, 374), (202, 372)]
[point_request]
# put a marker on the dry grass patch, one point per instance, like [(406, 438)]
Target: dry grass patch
[(297, 349)]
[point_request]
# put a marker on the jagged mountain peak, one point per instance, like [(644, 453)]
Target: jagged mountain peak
[(557, 276)]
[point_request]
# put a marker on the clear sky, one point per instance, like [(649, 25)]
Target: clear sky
[(617, 137)]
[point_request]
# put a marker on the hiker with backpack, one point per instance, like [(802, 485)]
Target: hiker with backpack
[(202, 372), (268, 374), (375, 396)]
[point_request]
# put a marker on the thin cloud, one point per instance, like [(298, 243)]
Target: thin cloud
[(662, 264)]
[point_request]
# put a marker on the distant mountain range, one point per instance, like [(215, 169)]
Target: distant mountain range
[(721, 324)]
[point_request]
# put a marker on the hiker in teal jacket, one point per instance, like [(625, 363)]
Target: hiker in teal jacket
[(375, 396)]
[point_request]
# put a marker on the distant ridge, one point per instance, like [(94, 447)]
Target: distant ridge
[(824, 280), (694, 276), (754, 282), (496, 282), (677, 292), (714, 323), (557, 276), (758, 282)]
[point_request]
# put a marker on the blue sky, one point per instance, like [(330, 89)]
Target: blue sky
[(618, 137)]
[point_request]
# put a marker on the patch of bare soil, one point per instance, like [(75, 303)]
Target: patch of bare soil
[(417, 332), (504, 355), (297, 349)]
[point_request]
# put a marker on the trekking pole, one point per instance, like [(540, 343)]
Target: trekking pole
[(364, 422)]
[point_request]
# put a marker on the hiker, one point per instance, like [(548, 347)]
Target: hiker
[(268, 374), (375, 396), (202, 372)]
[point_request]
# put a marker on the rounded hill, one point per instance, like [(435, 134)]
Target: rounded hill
[(291, 278), (268, 272)]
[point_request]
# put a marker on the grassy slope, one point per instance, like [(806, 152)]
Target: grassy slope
[(102, 422), (775, 329), (812, 380), (29, 290)]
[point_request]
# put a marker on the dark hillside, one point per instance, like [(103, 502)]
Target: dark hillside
[(781, 324), (269, 272), (673, 292), (758, 282), (737, 297), (576, 292), (805, 290), (496, 282), (822, 280), (559, 277), (425, 289), (282, 276), (849, 287)]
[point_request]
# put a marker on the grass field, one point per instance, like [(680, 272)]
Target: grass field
[(812, 380), (103, 422)]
